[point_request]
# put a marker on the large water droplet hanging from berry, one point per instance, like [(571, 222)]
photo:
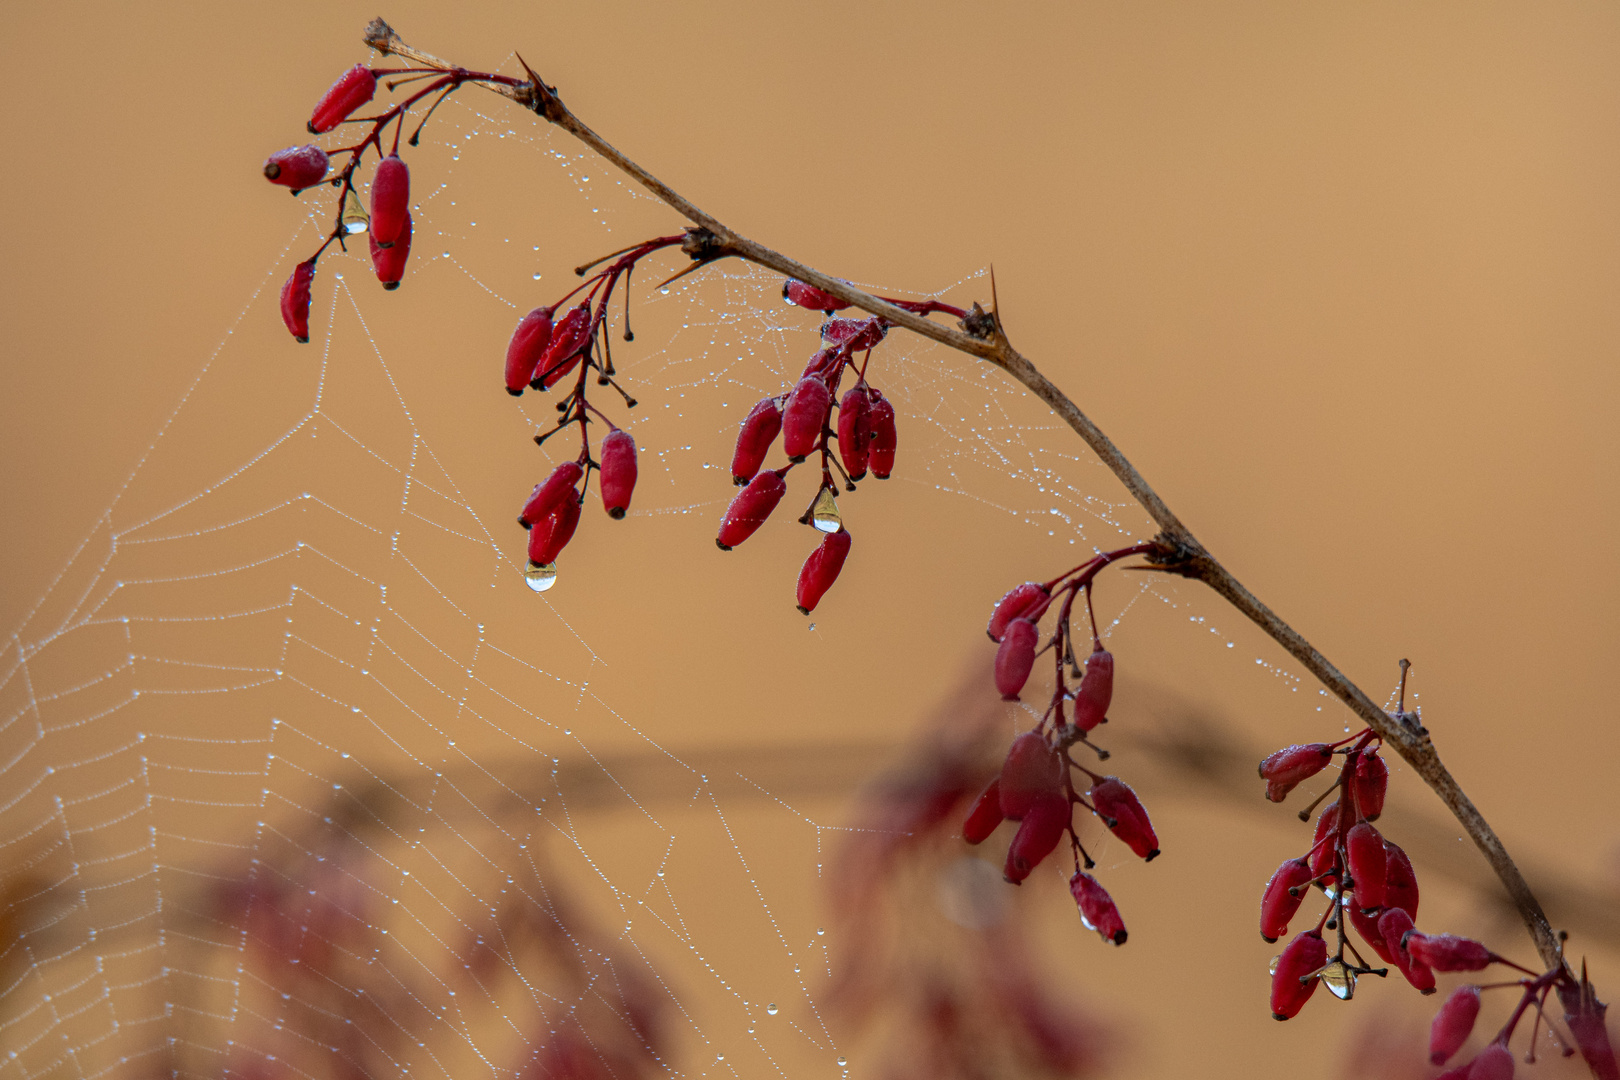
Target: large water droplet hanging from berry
[(540, 576), (824, 514)]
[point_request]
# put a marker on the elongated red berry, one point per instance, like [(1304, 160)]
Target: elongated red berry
[(1097, 909), (821, 569), (552, 532), (853, 431), (390, 200), (295, 300), (1284, 893), (1124, 815), (1096, 691), (1395, 927), (985, 815), (1020, 601), (297, 167), (549, 493), (1400, 881), (1032, 771), (561, 353), (1495, 1062), (1038, 834), (749, 509), (353, 89), (1369, 865), (759, 429), (618, 472), (1288, 767), (854, 334), (808, 296), (1448, 952), (1367, 926), (1015, 658), (523, 352), (821, 364), (1453, 1023), (389, 263), (1294, 980), (880, 449), (1369, 782), (805, 416), (1323, 848)]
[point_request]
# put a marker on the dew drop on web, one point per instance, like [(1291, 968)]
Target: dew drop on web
[(354, 216), (540, 576), (824, 514), (770, 1009)]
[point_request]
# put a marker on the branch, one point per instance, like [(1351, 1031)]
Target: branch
[(715, 240)]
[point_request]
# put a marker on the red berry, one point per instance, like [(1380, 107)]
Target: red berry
[(853, 431), (1029, 599), (1495, 1062), (1400, 882), (1395, 927), (821, 569), (552, 533), (297, 167), (759, 429), (549, 493), (1122, 812), (1032, 771), (390, 200), (1368, 783), (1096, 691), (749, 509), (295, 300), (1294, 981), (880, 449), (1097, 909), (561, 353), (389, 263), (985, 815), (1367, 926), (1284, 893), (1038, 834), (1015, 658), (523, 352), (1448, 952), (353, 89), (808, 296), (1285, 769), (618, 472), (805, 417), (1369, 865), (1453, 1023), (821, 364), (854, 334), (1322, 849)]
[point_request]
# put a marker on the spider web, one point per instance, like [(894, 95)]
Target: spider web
[(301, 780)]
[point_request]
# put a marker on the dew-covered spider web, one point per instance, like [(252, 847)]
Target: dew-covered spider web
[(298, 778)]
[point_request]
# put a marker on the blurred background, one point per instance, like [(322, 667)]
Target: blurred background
[(323, 789)]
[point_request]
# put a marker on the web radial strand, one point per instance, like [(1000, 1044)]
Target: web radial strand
[(299, 778)]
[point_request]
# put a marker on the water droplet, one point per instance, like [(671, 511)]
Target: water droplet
[(354, 217), (537, 275), (843, 1060), (1340, 980), (1275, 960), (664, 291), (824, 513), (541, 576), (812, 626), (770, 1009), (820, 930)]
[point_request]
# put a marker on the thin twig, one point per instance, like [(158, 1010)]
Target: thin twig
[(1193, 560)]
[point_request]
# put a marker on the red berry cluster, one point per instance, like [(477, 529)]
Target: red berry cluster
[(388, 224), (802, 416), (1036, 786)]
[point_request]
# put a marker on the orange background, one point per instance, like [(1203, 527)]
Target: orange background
[(1340, 282)]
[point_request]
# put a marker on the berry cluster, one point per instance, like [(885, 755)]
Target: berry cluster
[(1036, 786), (388, 224), (802, 417)]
